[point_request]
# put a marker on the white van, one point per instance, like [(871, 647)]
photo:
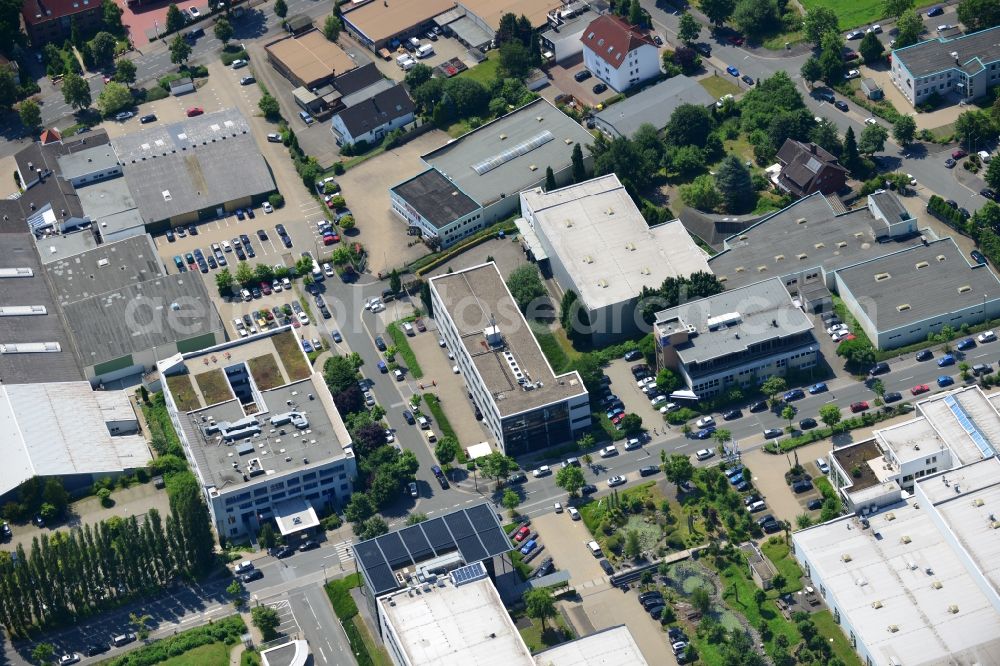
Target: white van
[(422, 422), (408, 64), (408, 328), (400, 59), (244, 566), (595, 548), (425, 51), (985, 156), (245, 293), (414, 42)]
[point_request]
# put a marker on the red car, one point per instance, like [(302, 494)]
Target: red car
[(958, 154), (265, 287), (859, 406), (736, 40), (616, 419), (920, 388), (522, 533), (330, 239), (195, 111)]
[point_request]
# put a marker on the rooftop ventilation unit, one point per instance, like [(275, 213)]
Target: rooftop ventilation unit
[(723, 320), (30, 347), (964, 289), (819, 246), (903, 308), (801, 220), (879, 277), (492, 335), (297, 419), (16, 272), (921, 264)]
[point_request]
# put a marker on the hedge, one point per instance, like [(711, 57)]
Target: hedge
[(227, 630), (950, 216)]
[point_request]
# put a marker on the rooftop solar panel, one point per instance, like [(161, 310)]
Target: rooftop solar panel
[(438, 535), (495, 541), (459, 525), (380, 578), (395, 552), (472, 549), (416, 543)]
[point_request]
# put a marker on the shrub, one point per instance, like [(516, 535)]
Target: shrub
[(105, 496), (276, 200), (338, 169)]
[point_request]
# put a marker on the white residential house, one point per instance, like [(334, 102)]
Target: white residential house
[(619, 54)]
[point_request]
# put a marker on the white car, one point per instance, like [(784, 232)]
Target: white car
[(839, 335), (573, 513), (267, 207), (877, 29), (609, 451), (704, 422), (870, 121), (558, 507), (70, 658), (544, 470), (616, 481), (633, 443), (123, 116), (389, 437), (657, 400), (398, 374), (286, 283), (328, 270), (669, 407), (852, 74), (704, 454), (276, 285), (986, 336), (193, 11), (441, 343), (303, 318), (722, 101), (455, 369), (378, 307), (226, 246), (913, 181), (945, 26), (836, 328)]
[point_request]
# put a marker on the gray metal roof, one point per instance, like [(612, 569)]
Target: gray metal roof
[(456, 159), (105, 268), (187, 166), (809, 227), (140, 316), (470, 32), (56, 248), (891, 206), (934, 55), (367, 93), (383, 107), (17, 250), (919, 283), (654, 105), (95, 158), (764, 313), (436, 198)]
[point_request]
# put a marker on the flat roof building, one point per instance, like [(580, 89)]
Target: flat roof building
[(309, 59), (260, 428), (525, 405), (901, 298), (961, 68), (67, 430), (735, 339), (916, 582), (562, 36), (375, 24), (652, 106), (596, 242), (182, 172), (490, 165)]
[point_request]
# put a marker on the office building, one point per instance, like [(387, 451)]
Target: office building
[(735, 339), (595, 242), (960, 69), (473, 181), (619, 54), (525, 405), (69, 431), (262, 434), (901, 298), (915, 581)]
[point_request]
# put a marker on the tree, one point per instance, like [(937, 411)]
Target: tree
[(267, 620), (511, 500), (579, 170), (418, 75), (895, 8), (8, 88), (280, 8), (224, 30), (722, 437), (175, 20), (267, 538), (550, 180), (686, 160), (244, 273), (831, 57), (701, 600), (824, 135), (235, 591), (525, 284), (734, 182), (871, 48), (269, 106), (992, 172), (818, 22), (690, 125), (446, 449), (772, 386), (633, 547), (140, 624), (754, 17), (676, 467), (180, 50), (667, 381), (812, 70), (540, 605), (44, 653), (371, 528), (701, 193), (188, 511), (570, 479), (689, 28), (718, 11), (904, 130), (102, 47), (851, 157), (112, 16), (908, 29), (978, 14), (332, 27), (359, 509), (224, 280), (788, 413), (31, 114), (515, 60), (972, 127), (858, 354), (878, 388), (873, 139), (125, 72), (631, 424), (76, 91), (635, 15), (496, 465), (115, 97), (415, 518)]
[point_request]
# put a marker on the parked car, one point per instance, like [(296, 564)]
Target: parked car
[(616, 481), (732, 71), (966, 344), (892, 396), (794, 394), (582, 75), (704, 454), (986, 336), (945, 380), (920, 388), (731, 414), (771, 433), (807, 423), (859, 406), (544, 470), (818, 388), (195, 111), (239, 63), (599, 88), (924, 355), (937, 10), (946, 360), (759, 406), (841, 105), (148, 118)]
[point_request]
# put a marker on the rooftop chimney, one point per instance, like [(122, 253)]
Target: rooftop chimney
[(812, 148)]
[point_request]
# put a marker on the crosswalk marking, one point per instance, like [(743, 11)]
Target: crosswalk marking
[(344, 550)]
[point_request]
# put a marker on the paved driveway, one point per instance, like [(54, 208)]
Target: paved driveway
[(561, 76)]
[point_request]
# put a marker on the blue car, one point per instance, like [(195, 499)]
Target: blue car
[(733, 71), (818, 388), (945, 380), (967, 343), (528, 547), (947, 359), (705, 433), (794, 394), (306, 346)]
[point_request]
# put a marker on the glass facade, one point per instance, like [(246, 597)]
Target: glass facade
[(537, 429)]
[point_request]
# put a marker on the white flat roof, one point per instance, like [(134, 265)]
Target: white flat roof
[(603, 241), (903, 585), (911, 439), (943, 412), (455, 626), (611, 647)]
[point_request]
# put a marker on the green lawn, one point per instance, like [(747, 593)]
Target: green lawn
[(290, 352), (556, 632), (213, 386), (786, 565), (829, 630), (739, 596), (851, 13), (399, 340), (213, 654), (717, 86), (183, 392), (485, 71)]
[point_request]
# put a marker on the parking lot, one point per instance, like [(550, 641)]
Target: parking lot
[(288, 625), (366, 190), (562, 79), (624, 386), (445, 48)]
